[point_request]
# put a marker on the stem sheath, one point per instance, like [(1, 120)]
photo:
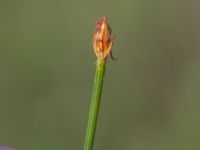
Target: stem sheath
[(95, 104)]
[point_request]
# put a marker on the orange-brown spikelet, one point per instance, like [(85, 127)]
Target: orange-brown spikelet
[(102, 40)]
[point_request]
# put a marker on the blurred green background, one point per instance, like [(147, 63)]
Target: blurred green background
[(151, 93)]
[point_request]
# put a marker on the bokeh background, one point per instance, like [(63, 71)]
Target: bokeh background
[(151, 93)]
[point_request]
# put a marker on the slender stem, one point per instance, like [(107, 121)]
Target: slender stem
[(95, 103)]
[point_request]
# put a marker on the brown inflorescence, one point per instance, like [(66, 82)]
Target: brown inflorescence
[(102, 40)]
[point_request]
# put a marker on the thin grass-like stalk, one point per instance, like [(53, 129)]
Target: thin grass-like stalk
[(102, 44), (95, 104)]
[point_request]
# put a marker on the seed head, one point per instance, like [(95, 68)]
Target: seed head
[(102, 41)]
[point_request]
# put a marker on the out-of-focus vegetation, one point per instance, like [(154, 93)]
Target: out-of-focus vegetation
[(47, 68)]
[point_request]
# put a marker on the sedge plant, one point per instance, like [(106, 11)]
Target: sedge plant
[(102, 44)]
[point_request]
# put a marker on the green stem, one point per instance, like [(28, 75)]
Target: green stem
[(95, 103)]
